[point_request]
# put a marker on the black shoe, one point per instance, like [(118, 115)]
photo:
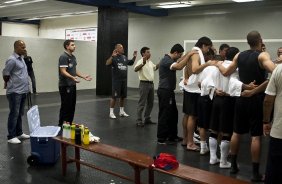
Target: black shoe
[(257, 177), (234, 169), (161, 142), (149, 122), (171, 141), (176, 139)]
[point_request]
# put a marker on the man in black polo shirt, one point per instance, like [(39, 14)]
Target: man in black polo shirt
[(119, 63), (68, 77), (168, 113)]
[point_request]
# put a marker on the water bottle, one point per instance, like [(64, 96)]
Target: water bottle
[(68, 130), (65, 130), (77, 135), (86, 136), (72, 132)]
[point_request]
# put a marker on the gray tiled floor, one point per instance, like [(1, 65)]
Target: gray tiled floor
[(122, 132)]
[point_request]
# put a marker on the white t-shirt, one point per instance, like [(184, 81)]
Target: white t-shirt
[(274, 88)]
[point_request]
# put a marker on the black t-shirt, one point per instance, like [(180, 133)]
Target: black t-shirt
[(249, 68), (28, 61), (167, 77), (69, 62), (119, 67)]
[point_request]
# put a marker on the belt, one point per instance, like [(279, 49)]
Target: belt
[(151, 82)]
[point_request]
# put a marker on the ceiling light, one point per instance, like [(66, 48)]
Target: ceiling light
[(175, 4), (243, 1), (12, 1)]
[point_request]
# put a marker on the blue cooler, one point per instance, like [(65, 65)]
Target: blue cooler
[(44, 149)]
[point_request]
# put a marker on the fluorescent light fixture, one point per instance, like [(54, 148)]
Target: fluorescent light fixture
[(244, 1), (12, 1), (175, 4)]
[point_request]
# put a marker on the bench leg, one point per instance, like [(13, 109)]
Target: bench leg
[(137, 171), (151, 176), (64, 158), (77, 157)]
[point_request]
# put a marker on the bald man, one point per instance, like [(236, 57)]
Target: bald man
[(16, 83)]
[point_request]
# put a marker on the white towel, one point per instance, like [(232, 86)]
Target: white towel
[(194, 78), (208, 81)]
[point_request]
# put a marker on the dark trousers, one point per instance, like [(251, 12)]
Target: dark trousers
[(273, 173), (68, 102), (168, 115), (16, 106), (32, 78)]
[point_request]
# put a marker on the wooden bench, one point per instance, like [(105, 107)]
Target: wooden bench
[(200, 176), (138, 161)]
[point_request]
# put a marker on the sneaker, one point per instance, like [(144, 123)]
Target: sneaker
[(149, 122), (123, 114), (204, 151), (196, 141), (14, 141), (214, 161), (112, 116), (195, 135), (225, 165), (24, 136)]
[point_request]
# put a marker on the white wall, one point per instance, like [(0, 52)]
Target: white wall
[(19, 29), (45, 54)]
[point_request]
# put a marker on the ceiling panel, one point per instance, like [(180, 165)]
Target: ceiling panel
[(48, 8)]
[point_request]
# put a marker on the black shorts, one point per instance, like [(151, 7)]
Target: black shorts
[(222, 114), (119, 89), (204, 111), (190, 102), (248, 115)]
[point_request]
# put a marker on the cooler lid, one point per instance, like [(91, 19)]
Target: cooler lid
[(33, 119)]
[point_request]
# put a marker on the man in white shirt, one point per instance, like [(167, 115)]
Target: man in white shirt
[(273, 98), (145, 68)]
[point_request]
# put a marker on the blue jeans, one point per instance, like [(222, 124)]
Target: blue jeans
[(16, 106)]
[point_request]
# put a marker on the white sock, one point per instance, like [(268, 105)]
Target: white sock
[(224, 150), (203, 144), (111, 110), (121, 109), (213, 147)]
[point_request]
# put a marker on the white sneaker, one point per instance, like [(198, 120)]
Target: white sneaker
[(225, 165), (112, 116), (14, 141), (196, 141), (214, 161), (204, 151), (24, 136), (123, 114)]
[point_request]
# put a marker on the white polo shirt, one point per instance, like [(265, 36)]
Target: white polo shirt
[(146, 73), (274, 88)]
